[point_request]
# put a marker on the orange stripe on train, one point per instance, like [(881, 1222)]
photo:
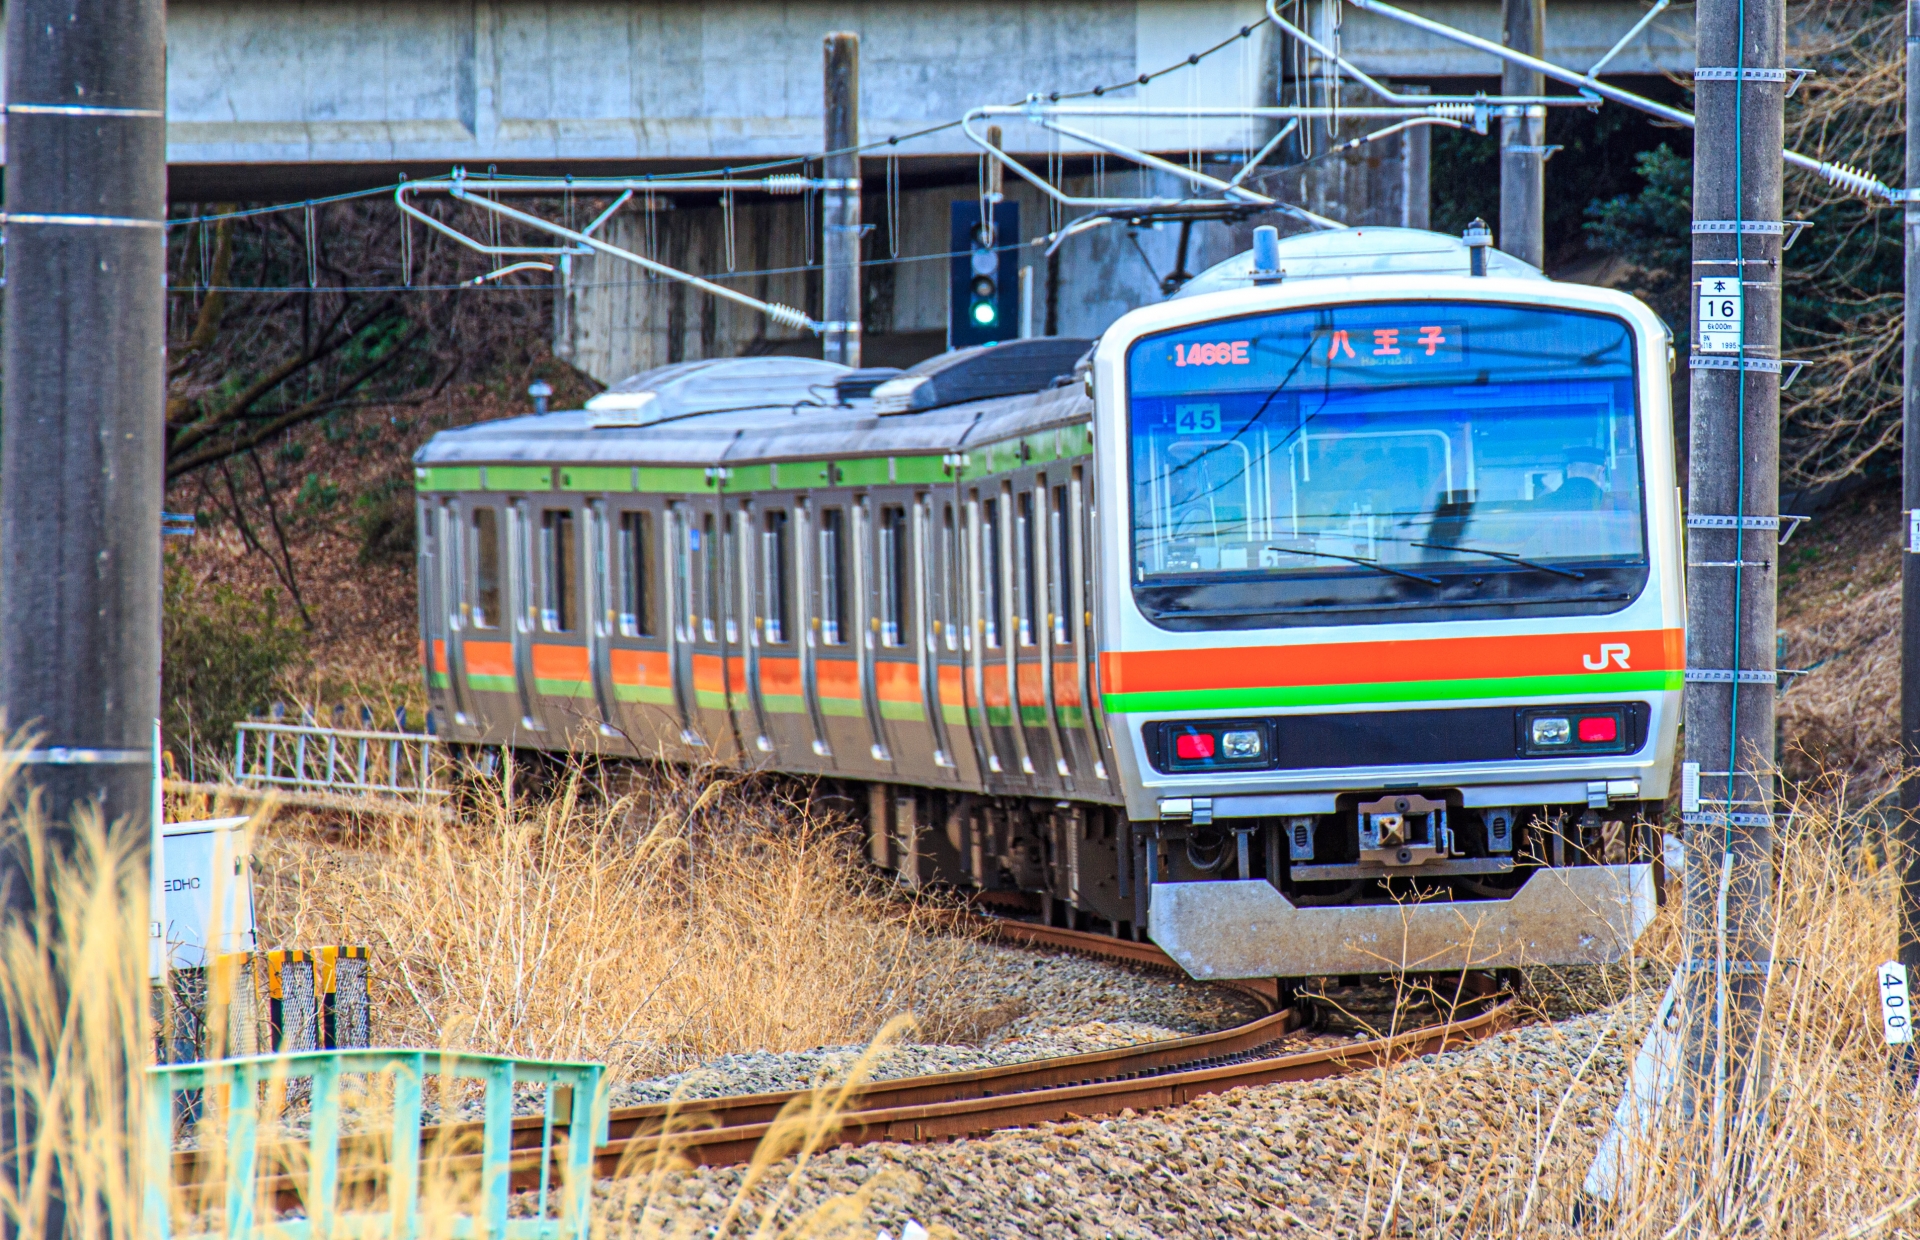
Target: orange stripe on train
[(641, 667), (560, 663), (488, 658), (1358, 663)]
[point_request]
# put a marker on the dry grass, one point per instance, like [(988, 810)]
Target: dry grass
[(1497, 1142), (1840, 615), (689, 917)]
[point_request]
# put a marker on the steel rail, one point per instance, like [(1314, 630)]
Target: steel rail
[(726, 1130)]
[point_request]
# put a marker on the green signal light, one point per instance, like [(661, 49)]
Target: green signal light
[(984, 313)]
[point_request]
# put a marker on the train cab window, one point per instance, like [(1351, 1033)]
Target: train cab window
[(486, 569), (1383, 462), (949, 578), (776, 573), (558, 578), (1059, 565), (833, 576), (893, 573), (635, 597), (990, 552), (1025, 583)]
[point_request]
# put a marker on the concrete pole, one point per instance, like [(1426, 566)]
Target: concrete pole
[(1732, 515), (840, 205), (80, 433), (1910, 568), (1523, 137)]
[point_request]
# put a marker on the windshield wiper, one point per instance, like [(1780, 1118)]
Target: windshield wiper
[(1509, 557), (1375, 565)]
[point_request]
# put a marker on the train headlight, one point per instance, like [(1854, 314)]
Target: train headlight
[(1552, 730), (1242, 744)]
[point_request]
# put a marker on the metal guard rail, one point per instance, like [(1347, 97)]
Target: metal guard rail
[(351, 760), (240, 1197)]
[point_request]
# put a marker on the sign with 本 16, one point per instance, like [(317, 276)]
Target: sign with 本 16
[(1722, 323), (1896, 1004)]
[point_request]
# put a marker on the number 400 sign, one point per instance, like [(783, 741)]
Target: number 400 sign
[(1896, 1004)]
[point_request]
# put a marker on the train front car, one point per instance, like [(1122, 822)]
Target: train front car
[(1391, 611)]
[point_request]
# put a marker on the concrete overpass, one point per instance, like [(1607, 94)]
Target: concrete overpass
[(267, 98)]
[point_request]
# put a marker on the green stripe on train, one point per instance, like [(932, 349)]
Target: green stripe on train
[(647, 695), (1390, 692), (783, 703), (438, 680), (490, 684), (842, 708), (562, 688), (902, 710)]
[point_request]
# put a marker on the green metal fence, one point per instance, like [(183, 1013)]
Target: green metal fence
[(255, 1175)]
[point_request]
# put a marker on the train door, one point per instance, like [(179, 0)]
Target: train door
[(639, 659), (986, 512), (713, 628), (949, 638), (838, 648), (484, 647), (895, 640), (560, 658), (806, 554), (440, 616), (600, 620), (1074, 703), (522, 602), (684, 619), (1029, 594), (779, 633), (757, 745)]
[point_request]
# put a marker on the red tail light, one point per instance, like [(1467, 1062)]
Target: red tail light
[(1596, 728), (1192, 747)]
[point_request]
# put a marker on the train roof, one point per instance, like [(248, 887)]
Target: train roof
[(1359, 252), (744, 410)]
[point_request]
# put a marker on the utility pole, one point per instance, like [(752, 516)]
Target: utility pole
[(80, 441), (1909, 822), (840, 205), (1732, 538), (1523, 137)]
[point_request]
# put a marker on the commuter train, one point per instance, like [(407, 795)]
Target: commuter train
[(1323, 619)]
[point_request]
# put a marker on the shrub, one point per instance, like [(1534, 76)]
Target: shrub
[(220, 657)]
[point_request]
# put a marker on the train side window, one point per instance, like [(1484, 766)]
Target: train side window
[(486, 569), (893, 576), (949, 579), (557, 576), (685, 543), (1059, 564), (990, 547), (636, 574), (833, 576), (774, 566), (1025, 531), (728, 570), (708, 547)]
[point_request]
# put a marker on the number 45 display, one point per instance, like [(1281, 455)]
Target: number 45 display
[(1721, 320)]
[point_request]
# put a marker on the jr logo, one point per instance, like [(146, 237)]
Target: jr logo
[(1616, 651)]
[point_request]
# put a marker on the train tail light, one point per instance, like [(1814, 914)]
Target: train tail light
[(1193, 746), (1595, 729)]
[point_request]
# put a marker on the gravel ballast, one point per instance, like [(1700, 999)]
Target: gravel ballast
[(1021, 1003), (1456, 1133)]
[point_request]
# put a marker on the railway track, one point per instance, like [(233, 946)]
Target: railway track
[(1145, 1076)]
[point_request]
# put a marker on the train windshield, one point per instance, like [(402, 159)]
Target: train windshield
[(1377, 462)]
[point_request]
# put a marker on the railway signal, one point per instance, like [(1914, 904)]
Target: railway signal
[(983, 275)]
